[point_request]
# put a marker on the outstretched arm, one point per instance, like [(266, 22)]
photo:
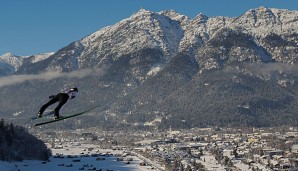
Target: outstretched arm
[(73, 95)]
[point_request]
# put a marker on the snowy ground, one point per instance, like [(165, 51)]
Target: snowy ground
[(75, 160), (211, 164)]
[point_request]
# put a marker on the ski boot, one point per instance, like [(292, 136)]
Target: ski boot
[(56, 117), (39, 115)]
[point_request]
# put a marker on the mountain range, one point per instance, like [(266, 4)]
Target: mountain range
[(167, 70)]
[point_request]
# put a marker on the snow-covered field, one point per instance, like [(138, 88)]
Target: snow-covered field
[(211, 164), (74, 159)]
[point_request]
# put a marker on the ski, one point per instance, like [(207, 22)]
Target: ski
[(64, 117)]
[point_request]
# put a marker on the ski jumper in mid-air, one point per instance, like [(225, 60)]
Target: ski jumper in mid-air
[(62, 98)]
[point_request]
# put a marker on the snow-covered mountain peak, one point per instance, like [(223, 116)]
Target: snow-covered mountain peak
[(201, 18), (263, 9), (263, 21), (10, 63), (175, 15), (9, 55), (171, 14), (9, 58), (260, 11), (144, 29), (261, 16), (109, 30), (40, 57), (6, 55), (142, 11), (141, 14)]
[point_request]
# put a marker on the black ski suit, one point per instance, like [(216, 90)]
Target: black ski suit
[(62, 98)]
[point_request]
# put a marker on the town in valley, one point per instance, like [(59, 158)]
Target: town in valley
[(255, 149)]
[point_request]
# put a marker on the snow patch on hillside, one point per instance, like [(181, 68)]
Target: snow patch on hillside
[(155, 69)]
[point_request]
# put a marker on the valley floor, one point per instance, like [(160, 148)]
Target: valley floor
[(80, 158)]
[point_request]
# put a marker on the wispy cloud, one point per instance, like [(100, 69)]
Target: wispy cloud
[(270, 68), (17, 79)]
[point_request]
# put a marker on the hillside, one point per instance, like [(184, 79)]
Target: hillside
[(162, 69), (16, 144)]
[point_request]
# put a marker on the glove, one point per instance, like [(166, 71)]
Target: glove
[(51, 96)]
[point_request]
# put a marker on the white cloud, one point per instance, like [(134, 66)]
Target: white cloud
[(17, 79), (271, 67)]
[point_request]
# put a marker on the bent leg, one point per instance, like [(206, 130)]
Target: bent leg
[(45, 106), (62, 100)]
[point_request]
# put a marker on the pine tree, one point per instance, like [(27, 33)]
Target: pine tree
[(2, 125), (11, 129)]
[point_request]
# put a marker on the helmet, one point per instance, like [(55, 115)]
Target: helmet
[(74, 89)]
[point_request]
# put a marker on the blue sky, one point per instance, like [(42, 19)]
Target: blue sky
[(29, 27)]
